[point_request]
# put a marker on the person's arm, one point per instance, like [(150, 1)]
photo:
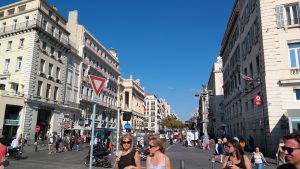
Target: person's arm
[(247, 162), (116, 163), (263, 158), (147, 162), (224, 164), (168, 163), (137, 160)]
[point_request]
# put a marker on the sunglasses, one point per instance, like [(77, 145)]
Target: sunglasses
[(289, 149), (151, 146), (227, 146), (126, 142)]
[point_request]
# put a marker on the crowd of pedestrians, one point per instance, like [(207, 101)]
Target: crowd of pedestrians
[(57, 144)]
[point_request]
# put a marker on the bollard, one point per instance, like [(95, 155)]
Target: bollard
[(35, 146), (213, 160), (182, 164)]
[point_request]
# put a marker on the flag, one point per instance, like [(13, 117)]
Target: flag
[(245, 77)]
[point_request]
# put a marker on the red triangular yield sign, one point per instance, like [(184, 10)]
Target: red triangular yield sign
[(97, 83)]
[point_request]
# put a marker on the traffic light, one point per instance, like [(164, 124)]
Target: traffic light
[(72, 126), (126, 116)]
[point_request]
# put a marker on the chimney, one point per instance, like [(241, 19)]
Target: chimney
[(73, 17)]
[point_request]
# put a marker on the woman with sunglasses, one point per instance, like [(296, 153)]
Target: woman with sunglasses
[(236, 159), (129, 158), (157, 158)]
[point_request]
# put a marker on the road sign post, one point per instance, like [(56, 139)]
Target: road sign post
[(98, 84)]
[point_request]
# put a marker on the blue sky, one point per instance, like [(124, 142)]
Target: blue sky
[(170, 45)]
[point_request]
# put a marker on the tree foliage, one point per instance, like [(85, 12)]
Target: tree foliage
[(172, 122)]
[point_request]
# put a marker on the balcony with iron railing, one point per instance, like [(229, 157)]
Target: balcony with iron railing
[(12, 94), (101, 57), (71, 104), (29, 24)]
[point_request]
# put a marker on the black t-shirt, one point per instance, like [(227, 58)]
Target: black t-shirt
[(127, 160), (286, 166)]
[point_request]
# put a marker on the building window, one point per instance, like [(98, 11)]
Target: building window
[(297, 91), (42, 65), (1, 14), (52, 30), (55, 93), (9, 44), (48, 90), (295, 124), (251, 70), (292, 14), (19, 63), (50, 69), (59, 55), (257, 65), (21, 45), (57, 73), (44, 24), (22, 8), (52, 51), (11, 11), (44, 46), (39, 89), (294, 54), (6, 64), (69, 78)]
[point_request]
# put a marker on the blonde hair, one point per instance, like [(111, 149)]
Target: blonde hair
[(129, 137), (158, 142)]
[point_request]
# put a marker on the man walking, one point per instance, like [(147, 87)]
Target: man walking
[(291, 150)]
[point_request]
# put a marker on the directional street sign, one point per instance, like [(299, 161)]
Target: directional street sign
[(97, 83), (127, 126)]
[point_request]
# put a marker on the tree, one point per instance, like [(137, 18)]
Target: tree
[(172, 122)]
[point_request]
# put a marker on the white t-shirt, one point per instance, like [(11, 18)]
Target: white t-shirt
[(15, 143)]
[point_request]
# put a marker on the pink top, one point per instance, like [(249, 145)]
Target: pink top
[(2, 151)]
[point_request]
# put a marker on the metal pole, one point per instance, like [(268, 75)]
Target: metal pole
[(203, 120), (182, 164), (118, 115), (92, 138)]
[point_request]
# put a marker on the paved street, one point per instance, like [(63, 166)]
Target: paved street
[(194, 158)]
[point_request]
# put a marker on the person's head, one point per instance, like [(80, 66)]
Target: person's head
[(256, 149), (233, 147), (126, 142), (292, 148), (156, 144)]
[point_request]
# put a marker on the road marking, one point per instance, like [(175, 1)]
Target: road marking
[(169, 147)]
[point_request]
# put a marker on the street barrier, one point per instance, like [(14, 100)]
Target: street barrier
[(182, 164)]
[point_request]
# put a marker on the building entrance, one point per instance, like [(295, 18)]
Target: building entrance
[(43, 120)]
